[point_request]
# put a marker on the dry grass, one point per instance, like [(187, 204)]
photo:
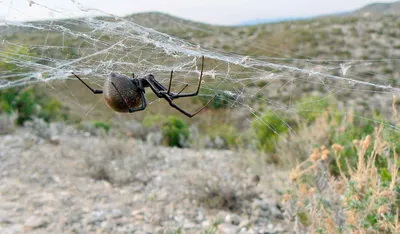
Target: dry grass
[(7, 123), (116, 161), (231, 191), (364, 201), (298, 144)]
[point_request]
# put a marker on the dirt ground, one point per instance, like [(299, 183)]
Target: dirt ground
[(89, 184)]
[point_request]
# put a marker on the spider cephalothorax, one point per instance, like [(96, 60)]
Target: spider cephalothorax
[(125, 94)]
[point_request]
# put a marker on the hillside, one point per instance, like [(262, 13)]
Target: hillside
[(379, 9), (301, 44), (302, 137)]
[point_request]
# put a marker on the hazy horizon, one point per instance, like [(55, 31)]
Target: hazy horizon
[(222, 12)]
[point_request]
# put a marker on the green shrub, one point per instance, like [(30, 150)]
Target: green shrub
[(175, 132), (222, 100), (152, 120), (28, 103), (368, 195), (268, 128), (21, 54), (337, 31), (100, 124), (50, 109), (227, 132), (345, 128), (344, 135), (311, 107)]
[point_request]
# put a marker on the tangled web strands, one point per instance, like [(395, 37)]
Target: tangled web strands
[(96, 46), (116, 44)]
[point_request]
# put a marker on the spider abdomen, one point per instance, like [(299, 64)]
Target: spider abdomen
[(128, 89)]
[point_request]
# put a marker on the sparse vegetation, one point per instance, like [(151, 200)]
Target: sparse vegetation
[(175, 132), (365, 200), (342, 140), (100, 124), (7, 123), (28, 103), (113, 161), (268, 128), (215, 192)]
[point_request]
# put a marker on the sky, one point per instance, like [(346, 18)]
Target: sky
[(222, 12)]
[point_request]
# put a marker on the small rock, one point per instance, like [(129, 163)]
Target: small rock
[(206, 223), (264, 206), (200, 216), (154, 138), (279, 229), (54, 140), (97, 216), (16, 228), (147, 228), (137, 212), (219, 143), (34, 222), (244, 223), (265, 214), (233, 219), (116, 213), (4, 220), (227, 228), (139, 217), (188, 225), (129, 228)]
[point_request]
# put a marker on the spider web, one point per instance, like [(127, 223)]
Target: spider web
[(93, 47)]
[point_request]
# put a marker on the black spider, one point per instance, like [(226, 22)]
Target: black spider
[(127, 94)]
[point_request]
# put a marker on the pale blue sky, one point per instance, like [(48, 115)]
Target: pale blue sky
[(208, 11)]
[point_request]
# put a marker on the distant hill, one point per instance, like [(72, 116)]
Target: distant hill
[(379, 9), (376, 9), (271, 20)]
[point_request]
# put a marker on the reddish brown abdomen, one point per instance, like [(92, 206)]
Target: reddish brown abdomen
[(128, 90)]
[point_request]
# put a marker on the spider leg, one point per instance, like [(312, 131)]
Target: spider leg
[(170, 82), (160, 90), (94, 91), (171, 103), (183, 88), (178, 95), (157, 88), (144, 103)]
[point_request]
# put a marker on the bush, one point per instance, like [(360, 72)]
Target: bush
[(50, 109), (102, 125), (7, 123), (218, 190), (29, 103), (222, 100), (21, 101), (26, 101), (20, 54), (344, 134), (364, 201), (228, 133), (151, 121), (175, 132), (118, 162), (268, 129), (311, 107)]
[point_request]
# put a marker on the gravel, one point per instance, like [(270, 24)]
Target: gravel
[(50, 188)]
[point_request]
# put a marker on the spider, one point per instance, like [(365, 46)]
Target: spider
[(125, 94)]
